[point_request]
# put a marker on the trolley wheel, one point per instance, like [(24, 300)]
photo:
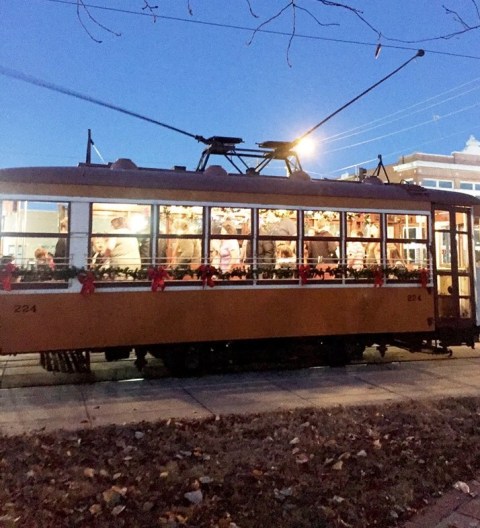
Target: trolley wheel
[(184, 361), (336, 353), (192, 359), (140, 361), (382, 349), (354, 349), (115, 354)]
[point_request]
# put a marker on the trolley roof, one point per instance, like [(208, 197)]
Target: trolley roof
[(216, 179)]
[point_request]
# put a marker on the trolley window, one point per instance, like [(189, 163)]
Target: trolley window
[(364, 235), (442, 240), (120, 237), (454, 272), (277, 246), (321, 238), (407, 246), (34, 235), (461, 222), (230, 242), (179, 242)]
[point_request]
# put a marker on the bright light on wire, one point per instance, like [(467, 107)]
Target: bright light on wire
[(305, 148)]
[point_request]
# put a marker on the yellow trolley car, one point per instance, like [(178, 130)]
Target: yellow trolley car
[(175, 262)]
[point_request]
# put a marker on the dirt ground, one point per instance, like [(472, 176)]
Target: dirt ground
[(343, 467)]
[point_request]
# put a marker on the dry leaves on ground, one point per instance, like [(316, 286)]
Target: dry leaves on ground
[(343, 467)]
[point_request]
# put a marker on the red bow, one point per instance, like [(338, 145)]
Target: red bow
[(304, 273), (378, 275), (87, 280), (423, 277), (206, 274), (158, 276), (6, 273)]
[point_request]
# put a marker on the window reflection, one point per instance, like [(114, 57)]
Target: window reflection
[(462, 250), (442, 220), (461, 221)]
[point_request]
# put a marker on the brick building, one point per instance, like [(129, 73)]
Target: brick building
[(460, 171)]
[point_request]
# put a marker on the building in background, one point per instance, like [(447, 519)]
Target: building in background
[(460, 171)]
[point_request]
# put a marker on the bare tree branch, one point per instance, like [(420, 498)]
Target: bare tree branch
[(466, 28), (84, 26), (293, 5), (456, 16), (357, 12), (81, 4), (464, 21), (324, 24), (294, 26), (476, 8), (292, 35), (266, 22), (251, 9), (151, 9)]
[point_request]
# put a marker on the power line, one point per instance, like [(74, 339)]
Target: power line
[(400, 151), (361, 129), (260, 30), (388, 119), (420, 53), (14, 74), (406, 129)]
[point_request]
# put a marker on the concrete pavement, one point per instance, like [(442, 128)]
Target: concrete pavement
[(26, 409)]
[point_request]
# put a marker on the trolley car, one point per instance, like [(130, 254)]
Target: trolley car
[(115, 257)]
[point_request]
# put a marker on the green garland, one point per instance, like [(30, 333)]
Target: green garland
[(179, 273), (337, 272)]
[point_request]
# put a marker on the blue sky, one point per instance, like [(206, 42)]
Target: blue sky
[(206, 79)]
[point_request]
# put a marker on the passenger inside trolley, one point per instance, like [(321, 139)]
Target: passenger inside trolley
[(123, 251)]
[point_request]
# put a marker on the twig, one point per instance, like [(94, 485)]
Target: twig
[(251, 9), (151, 9), (80, 3)]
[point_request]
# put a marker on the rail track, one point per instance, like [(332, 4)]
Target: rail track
[(73, 367)]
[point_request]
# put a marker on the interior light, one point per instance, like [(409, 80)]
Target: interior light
[(138, 223)]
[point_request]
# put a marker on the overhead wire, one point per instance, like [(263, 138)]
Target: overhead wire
[(406, 129), (391, 118), (420, 53), (344, 135), (15, 74), (361, 129), (387, 155), (402, 150), (260, 30)]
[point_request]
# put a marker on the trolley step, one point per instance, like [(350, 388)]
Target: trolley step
[(67, 361)]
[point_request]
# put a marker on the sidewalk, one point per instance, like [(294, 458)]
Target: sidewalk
[(456, 509), (26, 409)]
